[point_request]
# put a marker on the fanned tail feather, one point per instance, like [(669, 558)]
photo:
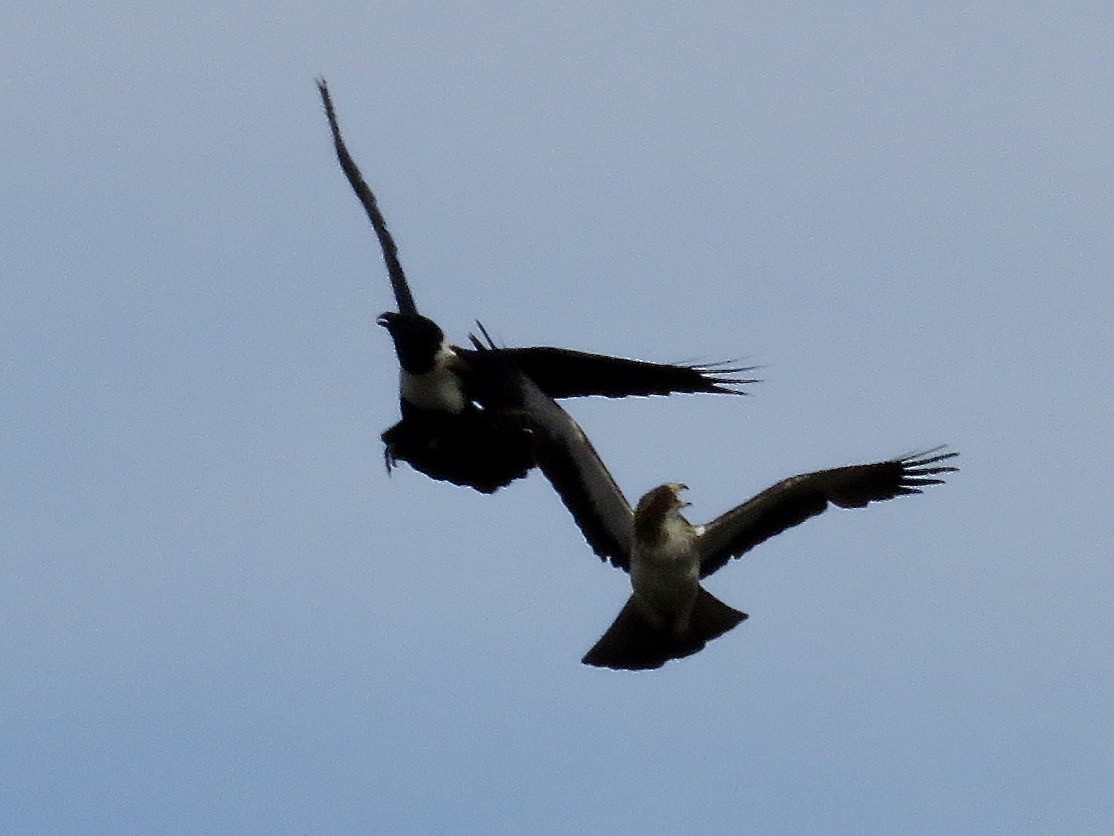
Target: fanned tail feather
[(635, 642)]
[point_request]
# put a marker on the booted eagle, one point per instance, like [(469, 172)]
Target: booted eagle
[(670, 615)]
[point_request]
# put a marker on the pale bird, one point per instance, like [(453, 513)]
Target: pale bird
[(669, 614)]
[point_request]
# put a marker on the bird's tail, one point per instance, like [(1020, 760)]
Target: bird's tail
[(635, 642)]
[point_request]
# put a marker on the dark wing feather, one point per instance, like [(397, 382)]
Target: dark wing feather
[(793, 500), (399, 285), (563, 453), (574, 469), (563, 373)]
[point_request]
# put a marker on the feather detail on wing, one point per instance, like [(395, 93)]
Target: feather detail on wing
[(366, 197), (563, 373), (563, 453), (793, 500)]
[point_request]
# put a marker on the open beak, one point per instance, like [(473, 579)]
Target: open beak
[(677, 488)]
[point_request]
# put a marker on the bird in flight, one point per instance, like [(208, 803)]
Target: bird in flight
[(670, 615), (443, 433)]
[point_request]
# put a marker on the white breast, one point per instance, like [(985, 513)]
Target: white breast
[(666, 576), (438, 389)]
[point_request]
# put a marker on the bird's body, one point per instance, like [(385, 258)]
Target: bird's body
[(440, 389), (442, 432), (670, 615), (664, 564)]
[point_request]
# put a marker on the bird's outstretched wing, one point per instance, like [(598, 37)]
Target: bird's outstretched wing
[(563, 453), (793, 500), (564, 373), (366, 197)]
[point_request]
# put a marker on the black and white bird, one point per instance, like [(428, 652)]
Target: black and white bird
[(669, 614), (442, 432)]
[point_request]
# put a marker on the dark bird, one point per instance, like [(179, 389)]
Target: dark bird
[(442, 432), (670, 615)]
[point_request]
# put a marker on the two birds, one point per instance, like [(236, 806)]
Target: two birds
[(483, 416)]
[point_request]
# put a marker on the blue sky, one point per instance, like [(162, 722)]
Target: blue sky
[(217, 612)]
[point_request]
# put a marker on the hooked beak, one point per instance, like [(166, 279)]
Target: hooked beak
[(385, 319), (677, 488)]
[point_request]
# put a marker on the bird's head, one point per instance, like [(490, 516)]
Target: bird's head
[(656, 508), (417, 339)]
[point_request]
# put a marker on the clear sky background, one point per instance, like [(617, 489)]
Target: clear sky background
[(218, 613)]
